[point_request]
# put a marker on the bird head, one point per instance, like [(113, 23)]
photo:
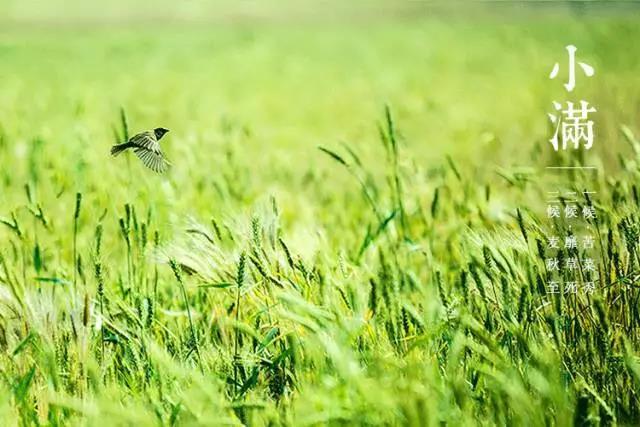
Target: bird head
[(160, 132)]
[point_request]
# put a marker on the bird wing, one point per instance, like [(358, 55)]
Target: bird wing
[(148, 150), (151, 159), (146, 140)]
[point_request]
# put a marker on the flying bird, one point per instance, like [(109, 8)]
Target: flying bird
[(145, 145)]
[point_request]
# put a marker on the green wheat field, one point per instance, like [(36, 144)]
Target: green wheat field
[(353, 230)]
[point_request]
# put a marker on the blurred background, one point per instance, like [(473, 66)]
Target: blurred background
[(261, 85)]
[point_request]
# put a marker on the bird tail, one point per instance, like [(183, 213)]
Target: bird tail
[(119, 148)]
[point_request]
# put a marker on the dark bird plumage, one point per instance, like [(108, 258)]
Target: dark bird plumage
[(145, 145)]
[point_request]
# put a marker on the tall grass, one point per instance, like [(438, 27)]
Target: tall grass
[(470, 335)]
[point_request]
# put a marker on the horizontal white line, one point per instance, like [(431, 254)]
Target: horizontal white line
[(571, 167)]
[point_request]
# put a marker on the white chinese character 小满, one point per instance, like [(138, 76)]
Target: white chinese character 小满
[(571, 84), (572, 126)]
